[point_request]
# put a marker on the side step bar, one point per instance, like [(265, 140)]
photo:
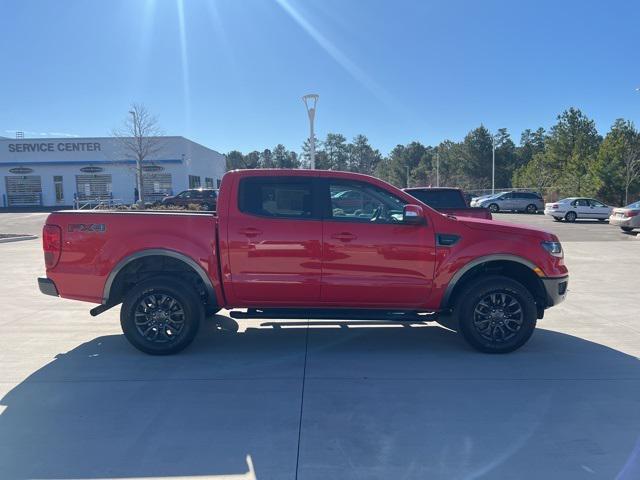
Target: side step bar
[(335, 314)]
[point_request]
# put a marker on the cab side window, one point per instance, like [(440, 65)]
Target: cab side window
[(362, 202)]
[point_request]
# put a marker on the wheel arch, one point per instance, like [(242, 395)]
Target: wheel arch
[(113, 284), (511, 266)]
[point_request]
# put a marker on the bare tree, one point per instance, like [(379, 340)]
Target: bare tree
[(631, 162), (141, 139)]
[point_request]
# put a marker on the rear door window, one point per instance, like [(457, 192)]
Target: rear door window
[(279, 197)]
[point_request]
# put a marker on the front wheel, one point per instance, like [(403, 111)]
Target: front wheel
[(494, 208), (160, 316), (496, 314)]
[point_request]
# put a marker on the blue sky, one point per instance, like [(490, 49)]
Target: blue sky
[(230, 73)]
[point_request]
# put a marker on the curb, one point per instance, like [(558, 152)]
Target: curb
[(18, 239)]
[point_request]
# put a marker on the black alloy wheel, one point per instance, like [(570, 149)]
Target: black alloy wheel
[(161, 316), (498, 317), (532, 208), (494, 208), (495, 314)]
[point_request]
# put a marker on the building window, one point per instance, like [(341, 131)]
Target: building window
[(208, 182), (194, 181), (57, 185)]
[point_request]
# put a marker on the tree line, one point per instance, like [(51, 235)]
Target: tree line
[(570, 159)]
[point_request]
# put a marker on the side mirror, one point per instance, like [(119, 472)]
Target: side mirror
[(413, 215)]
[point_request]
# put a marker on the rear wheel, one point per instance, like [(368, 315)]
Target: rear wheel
[(626, 229), (571, 217), (496, 314), (531, 208), (494, 208), (160, 316)]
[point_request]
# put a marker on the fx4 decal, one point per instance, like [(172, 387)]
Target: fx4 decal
[(87, 227)]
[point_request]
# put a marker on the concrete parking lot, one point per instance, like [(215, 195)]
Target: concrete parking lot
[(325, 400)]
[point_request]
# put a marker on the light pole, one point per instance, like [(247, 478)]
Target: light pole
[(437, 168), (493, 164), (310, 100), (138, 161)]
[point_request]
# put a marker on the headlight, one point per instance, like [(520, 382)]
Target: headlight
[(554, 248)]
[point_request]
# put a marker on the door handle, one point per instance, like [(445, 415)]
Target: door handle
[(250, 232), (344, 236)]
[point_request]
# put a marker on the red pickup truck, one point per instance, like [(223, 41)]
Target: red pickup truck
[(280, 246)]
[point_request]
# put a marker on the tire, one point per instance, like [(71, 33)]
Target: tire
[(601, 220), (502, 329), (531, 208), (494, 208), (161, 306), (571, 217), (627, 229)]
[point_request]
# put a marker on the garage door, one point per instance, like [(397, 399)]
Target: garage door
[(156, 185), (23, 190), (93, 187)]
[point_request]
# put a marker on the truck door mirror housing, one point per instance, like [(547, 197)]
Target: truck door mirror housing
[(413, 215)]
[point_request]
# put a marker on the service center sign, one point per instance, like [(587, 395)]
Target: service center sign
[(55, 147)]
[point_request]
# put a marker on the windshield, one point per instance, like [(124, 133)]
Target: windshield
[(634, 205)]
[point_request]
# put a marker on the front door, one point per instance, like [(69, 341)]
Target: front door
[(274, 242), (370, 258)]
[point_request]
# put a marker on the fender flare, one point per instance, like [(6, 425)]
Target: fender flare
[(474, 263), (163, 253)]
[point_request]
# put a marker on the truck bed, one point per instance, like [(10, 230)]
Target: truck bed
[(93, 244)]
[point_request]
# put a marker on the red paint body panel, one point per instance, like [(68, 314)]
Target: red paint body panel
[(373, 265), (294, 262)]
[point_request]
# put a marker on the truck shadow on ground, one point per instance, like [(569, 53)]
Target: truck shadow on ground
[(380, 401)]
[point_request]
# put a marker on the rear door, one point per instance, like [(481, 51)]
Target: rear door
[(274, 241), (370, 258)]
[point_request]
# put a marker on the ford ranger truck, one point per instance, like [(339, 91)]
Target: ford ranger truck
[(280, 246)]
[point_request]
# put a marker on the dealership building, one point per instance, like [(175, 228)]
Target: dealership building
[(80, 171)]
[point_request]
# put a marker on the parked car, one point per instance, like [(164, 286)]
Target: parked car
[(280, 247), (573, 208), (450, 201), (207, 198), (529, 202), (627, 218)]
